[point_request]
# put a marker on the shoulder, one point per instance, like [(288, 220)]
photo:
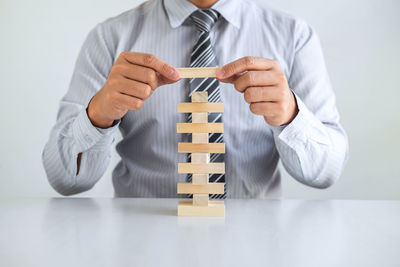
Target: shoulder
[(269, 13), (275, 18), (130, 16), (286, 28), (113, 29)]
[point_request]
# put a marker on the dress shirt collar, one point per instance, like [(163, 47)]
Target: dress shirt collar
[(179, 10)]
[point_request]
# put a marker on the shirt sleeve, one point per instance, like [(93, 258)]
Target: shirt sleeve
[(314, 146), (73, 132)]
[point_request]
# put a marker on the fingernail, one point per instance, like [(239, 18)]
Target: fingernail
[(174, 74), (221, 73)]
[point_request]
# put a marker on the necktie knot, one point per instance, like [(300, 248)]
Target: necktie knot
[(204, 19)]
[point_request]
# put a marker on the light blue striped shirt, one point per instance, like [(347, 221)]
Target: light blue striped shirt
[(313, 147)]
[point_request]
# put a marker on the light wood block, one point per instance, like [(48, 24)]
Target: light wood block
[(200, 117), (200, 178), (214, 167), (200, 158), (200, 96), (198, 72), (200, 107), (200, 165), (200, 138), (216, 148), (210, 188), (200, 199), (216, 127), (214, 208)]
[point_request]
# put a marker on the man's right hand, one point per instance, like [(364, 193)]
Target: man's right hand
[(132, 79)]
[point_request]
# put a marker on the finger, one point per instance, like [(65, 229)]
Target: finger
[(140, 74), (134, 88), (245, 64), (129, 102), (268, 109), (262, 94), (164, 80), (231, 79), (257, 78), (153, 62), (143, 74)]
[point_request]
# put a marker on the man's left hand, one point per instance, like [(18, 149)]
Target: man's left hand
[(264, 86)]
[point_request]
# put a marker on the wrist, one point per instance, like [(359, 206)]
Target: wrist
[(294, 111), (95, 118)]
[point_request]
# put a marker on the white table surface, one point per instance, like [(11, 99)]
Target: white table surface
[(146, 232)]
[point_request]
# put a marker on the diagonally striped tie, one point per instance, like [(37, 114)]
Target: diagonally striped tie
[(203, 56)]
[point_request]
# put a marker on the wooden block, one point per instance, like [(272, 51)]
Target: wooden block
[(200, 107), (200, 138), (214, 208), (200, 96), (200, 178), (200, 166), (216, 127), (200, 158), (200, 199), (201, 117), (210, 188), (217, 148), (214, 167), (198, 72)]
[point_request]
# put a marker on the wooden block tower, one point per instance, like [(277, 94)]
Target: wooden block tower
[(200, 166)]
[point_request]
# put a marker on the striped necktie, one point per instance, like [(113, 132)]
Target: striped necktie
[(203, 56)]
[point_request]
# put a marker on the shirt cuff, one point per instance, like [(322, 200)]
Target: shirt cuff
[(303, 127), (86, 135)]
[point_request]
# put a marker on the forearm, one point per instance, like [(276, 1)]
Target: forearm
[(313, 152), (68, 139)]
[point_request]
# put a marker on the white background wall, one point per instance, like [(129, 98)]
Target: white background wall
[(40, 40)]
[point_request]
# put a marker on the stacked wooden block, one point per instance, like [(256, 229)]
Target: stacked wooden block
[(200, 166)]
